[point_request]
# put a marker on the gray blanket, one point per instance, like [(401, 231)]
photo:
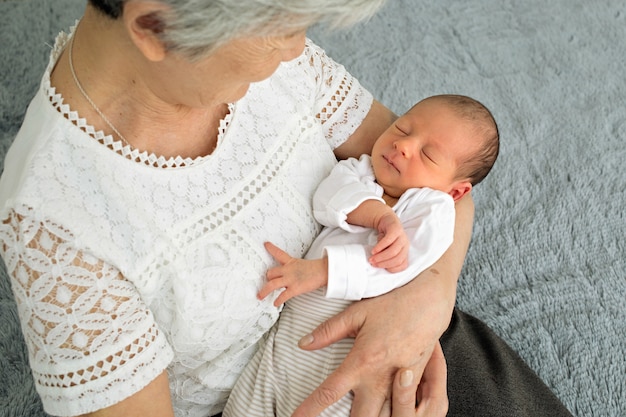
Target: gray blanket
[(547, 264)]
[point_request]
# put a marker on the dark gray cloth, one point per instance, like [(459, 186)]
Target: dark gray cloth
[(487, 378)]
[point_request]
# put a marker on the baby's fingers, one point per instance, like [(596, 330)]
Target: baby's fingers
[(284, 297), (397, 268), (396, 262), (389, 253), (393, 265), (384, 242), (269, 287), (277, 253)]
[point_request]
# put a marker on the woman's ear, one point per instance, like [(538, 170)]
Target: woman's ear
[(143, 20), (459, 189)]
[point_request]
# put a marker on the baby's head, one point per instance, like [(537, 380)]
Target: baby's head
[(447, 143)]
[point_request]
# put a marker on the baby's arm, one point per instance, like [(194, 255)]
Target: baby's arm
[(296, 276), (349, 197), (429, 223), (428, 219), (392, 250)]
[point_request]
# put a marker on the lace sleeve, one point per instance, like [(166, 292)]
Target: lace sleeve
[(91, 341), (342, 103)]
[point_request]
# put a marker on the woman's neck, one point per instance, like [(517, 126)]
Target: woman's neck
[(111, 71)]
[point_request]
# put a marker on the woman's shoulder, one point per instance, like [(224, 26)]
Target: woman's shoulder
[(36, 130), (295, 85), (52, 157), (313, 65), (320, 61)]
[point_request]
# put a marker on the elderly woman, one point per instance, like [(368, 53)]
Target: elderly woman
[(168, 140)]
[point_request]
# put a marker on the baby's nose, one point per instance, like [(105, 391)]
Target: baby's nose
[(403, 146)]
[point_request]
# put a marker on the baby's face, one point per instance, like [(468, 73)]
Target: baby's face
[(423, 148)]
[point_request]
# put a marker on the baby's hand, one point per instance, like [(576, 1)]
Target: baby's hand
[(296, 276), (392, 250)]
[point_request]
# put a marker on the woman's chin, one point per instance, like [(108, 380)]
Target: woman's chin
[(238, 94)]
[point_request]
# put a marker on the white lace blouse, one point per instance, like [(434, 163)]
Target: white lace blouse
[(124, 264)]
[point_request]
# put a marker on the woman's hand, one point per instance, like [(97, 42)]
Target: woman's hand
[(431, 394), (393, 331)]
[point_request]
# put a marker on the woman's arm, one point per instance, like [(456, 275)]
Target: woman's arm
[(153, 400), (397, 330), (82, 317)]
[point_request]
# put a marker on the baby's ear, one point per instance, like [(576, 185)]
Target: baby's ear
[(459, 189)]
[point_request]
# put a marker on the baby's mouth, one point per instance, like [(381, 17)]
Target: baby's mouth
[(390, 162)]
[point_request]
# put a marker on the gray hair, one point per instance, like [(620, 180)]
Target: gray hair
[(196, 27)]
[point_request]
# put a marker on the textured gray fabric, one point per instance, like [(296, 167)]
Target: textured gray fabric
[(547, 265)]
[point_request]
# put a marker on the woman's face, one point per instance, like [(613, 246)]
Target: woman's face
[(225, 75)]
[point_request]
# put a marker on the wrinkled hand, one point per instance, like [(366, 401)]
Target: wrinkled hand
[(431, 394), (398, 330), (392, 250), (295, 275)]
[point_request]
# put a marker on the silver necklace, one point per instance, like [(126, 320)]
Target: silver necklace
[(84, 93)]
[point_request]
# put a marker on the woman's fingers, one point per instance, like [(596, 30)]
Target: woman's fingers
[(379, 351), (404, 394), (332, 330), (345, 378), (332, 389), (369, 401), (432, 394)]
